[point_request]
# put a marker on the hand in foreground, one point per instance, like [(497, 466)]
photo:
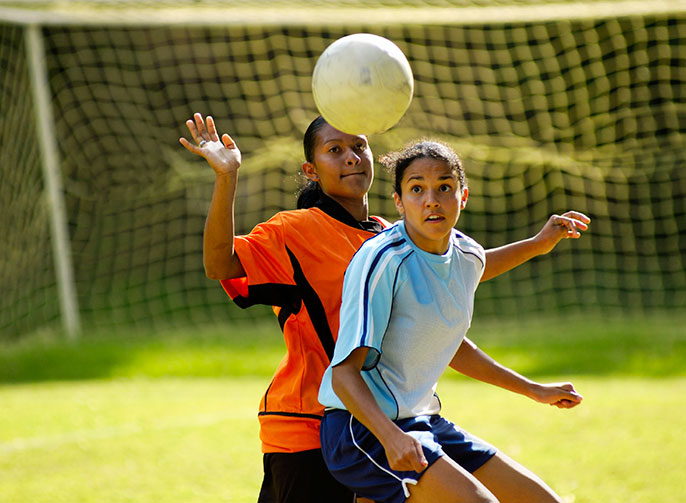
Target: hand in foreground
[(224, 156), (558, 227), (561, 395), (404, 453)]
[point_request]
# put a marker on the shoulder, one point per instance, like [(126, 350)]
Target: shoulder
[(302, 221), (389, 247), (297, 217), (468, 247)]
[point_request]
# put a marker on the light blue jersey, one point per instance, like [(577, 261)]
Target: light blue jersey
[(412, 310)]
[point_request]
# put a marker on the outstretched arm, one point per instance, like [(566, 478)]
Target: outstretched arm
[(472, 362), (403, 451), (558, 227), (219, 257)]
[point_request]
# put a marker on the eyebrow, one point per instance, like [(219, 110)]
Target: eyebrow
[(336, 139), (419, 177)]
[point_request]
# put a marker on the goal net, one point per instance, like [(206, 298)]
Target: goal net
[(570, 106)]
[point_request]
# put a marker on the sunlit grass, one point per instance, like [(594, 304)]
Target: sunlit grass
[(171, 415), (195, 440)]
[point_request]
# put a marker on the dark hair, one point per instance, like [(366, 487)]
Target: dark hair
[(397, 162), (309, 193), (310, 138)]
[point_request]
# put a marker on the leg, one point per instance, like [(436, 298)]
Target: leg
[(510, 482), (447, 482)]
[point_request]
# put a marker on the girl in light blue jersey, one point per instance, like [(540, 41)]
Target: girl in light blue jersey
[(408, 298)]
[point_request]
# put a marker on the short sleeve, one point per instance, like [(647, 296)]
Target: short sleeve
[(366, 303), (267, 265), (473, 251)]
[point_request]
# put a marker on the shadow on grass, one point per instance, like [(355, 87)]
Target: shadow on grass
[(649, 346), (234, 350)]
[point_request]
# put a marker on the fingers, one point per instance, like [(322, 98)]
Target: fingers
[(189, 146), (228, 141), (192, 129), (565, 404), (577, 215), (573, 225), (200, 126), (419, 462), (567, 396), (204, 131), (407, 455), (199, 132), (211, 129), (414, 461)]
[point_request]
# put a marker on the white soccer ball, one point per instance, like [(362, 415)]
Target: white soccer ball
[(362, 84)]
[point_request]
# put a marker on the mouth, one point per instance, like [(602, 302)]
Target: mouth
[(434, 218), (358, 173)]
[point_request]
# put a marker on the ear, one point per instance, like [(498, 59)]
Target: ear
[(463, 199), (310, 172), (398, 204)]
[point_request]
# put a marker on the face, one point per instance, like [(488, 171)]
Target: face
[(343, 164), (431, 202)]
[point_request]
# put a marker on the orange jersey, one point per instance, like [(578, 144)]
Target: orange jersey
[(295, 262)]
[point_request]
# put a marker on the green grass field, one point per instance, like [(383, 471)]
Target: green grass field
[(172, 417)]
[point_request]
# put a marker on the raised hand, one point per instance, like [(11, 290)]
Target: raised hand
[(222, 154)]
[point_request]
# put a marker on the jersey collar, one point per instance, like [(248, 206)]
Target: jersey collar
[(335, 210)]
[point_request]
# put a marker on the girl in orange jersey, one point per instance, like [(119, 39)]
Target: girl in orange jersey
[(295, 262)]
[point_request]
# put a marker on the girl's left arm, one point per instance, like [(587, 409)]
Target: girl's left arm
[(558, 227), (472, 362)]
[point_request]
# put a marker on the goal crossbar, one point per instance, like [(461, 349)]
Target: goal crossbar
[(299, 14)]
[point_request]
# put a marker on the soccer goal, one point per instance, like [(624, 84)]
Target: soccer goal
[(553, 107)]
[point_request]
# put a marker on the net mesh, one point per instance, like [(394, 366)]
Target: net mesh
[(549, 115)]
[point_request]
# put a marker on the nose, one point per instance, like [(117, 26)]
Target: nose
[(431, 200), (353, 159)]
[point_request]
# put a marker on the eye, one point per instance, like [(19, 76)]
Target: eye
[(361, 146), (335, 149), (416, 189), (445, 188)]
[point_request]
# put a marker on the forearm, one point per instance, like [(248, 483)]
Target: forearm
[(358, 400), (472, 362), (219, 257), (504, 258)]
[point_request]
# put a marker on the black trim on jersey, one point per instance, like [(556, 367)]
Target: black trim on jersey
[(284, 314), (290, 414), (335, 210), (266, 394), (314, 306), (286, 297)]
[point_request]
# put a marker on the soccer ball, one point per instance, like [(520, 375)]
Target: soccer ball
[(362, 84)]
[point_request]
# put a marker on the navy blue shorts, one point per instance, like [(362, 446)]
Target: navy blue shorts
[(357, 459)]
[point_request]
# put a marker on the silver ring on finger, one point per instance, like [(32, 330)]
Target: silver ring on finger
[(202, 143)]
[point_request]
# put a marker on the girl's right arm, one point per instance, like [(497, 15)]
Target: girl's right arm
[(403, 451), (219, 257)]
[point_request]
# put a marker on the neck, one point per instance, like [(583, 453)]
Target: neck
[(357, 207)]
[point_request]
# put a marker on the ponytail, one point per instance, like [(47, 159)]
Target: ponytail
[(308, 195)]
